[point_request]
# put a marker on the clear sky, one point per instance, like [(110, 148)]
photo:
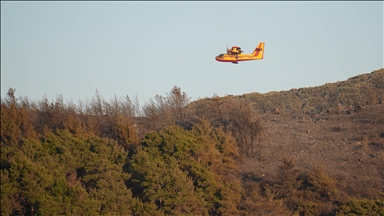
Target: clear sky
[(146, 48)]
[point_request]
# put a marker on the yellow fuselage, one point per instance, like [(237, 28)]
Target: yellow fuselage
[(257, 54), (240, 57)]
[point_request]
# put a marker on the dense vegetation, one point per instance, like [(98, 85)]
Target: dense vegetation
[(172, 157)]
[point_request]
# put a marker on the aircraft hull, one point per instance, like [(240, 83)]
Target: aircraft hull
[(227, 58)]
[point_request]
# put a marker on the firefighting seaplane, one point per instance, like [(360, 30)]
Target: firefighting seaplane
[(235, 54)]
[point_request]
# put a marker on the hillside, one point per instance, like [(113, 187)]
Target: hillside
[(336, 126), (308, 151), (339, 126), (343, 96), (349, 147)]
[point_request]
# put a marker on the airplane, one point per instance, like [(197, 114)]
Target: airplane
[(235, 54)]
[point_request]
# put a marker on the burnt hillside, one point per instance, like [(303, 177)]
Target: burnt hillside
[(308, 151), (339, 126), (344, 96), (350, 147)]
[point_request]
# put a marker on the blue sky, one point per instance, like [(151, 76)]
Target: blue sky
[(146, 48)]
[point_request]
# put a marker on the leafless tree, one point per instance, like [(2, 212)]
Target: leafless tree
[(97, 103)]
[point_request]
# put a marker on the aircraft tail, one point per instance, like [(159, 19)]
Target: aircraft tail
[(259, 51)]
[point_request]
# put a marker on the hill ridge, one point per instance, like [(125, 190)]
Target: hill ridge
[(354, 92)]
